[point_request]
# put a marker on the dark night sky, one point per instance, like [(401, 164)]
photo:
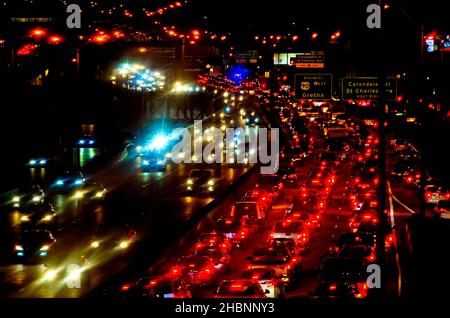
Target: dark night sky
[(261, 15)]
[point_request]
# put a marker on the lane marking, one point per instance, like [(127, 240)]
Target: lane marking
[(391, 195), (397, 258)]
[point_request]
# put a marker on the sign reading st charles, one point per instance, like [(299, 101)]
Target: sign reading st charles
[(313, 86), (366, 88)]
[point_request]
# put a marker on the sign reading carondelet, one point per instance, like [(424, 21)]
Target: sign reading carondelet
[(367, 88)]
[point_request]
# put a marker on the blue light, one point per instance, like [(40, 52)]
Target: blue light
[(256, 119), (247, 120), (159, 142), (91, 142), (78, 181), (60, 182), (146, 162), (42, 254), (227, 109), (42, 162), (160, 162), (20, 254), (81, 142)]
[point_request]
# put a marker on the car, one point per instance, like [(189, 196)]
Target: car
[(34, 245), (40, 162), (91, 192), (329, 159), (311, 203), (325, 174), (435, 193), (339, 290), (361, 188), (157, 287), (70, 181), (366, 177), (219, 256), (360, 251), (234, 230), (267, 279), (319, 185), (290, 228), (442, 209), (368, 227), (350, 238), (295, 155), (288, 176), (214, 239), (241, 289), (264, 200), (27, 197), (399, 145), (201, 180), (251, 119), (361, 216), (311, 219), (278, 258), (349, 271), (359, 202), (412, 178), (295, 247), (153, 161), (401, 169), (251, 212), (43, 217), (272, 184), (195, 270), (408, 155), (112, 237)]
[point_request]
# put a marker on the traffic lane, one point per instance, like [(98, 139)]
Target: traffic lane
[(161, 218), (334, 222), (182, 246)]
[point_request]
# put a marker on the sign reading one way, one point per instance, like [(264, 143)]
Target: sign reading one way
[(313, 86), (366, 88)]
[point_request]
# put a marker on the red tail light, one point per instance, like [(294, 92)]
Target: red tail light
[(332, 287), (125, 288), (362, 290)]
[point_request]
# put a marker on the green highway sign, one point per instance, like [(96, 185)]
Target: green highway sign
[(366, 88), (313, 86)]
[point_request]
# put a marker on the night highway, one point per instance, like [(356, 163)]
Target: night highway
[(244, 157)]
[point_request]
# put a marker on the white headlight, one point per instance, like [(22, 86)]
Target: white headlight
[(95, 244), (50, 275), (16, 199), (79, 194), (123, 245)]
